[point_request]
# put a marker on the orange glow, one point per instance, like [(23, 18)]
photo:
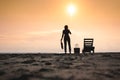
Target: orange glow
[(36, 25)]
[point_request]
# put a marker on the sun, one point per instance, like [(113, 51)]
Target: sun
[(71, 9)]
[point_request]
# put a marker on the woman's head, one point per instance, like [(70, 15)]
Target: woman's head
[(66, 27)]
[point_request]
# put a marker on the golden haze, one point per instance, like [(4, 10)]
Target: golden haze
[(36, 25)]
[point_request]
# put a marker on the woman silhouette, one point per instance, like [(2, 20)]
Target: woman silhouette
[(66, 36)]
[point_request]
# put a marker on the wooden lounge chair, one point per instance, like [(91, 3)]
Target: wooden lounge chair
[(88, 45)]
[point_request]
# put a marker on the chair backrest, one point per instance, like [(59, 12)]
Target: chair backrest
[(88, 42)]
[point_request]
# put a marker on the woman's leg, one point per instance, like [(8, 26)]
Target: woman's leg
[(65, 45), (69, 44)]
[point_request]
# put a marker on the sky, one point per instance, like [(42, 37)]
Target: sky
[(36, 25)]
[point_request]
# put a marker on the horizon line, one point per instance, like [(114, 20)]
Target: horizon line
[(47, 52)]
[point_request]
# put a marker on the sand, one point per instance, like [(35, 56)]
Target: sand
[(100, 66)]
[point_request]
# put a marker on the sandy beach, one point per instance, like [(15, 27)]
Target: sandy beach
[(100, 66)]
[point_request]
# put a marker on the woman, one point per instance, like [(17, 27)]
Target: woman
[(66, 36)]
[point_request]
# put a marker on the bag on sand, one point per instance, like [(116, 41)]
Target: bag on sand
[(61, 45)]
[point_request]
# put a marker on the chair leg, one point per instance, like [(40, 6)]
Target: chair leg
[(83, 51)]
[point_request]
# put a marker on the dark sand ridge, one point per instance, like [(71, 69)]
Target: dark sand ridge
[(99, 66)]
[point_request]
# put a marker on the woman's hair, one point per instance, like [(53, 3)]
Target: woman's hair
[(66, 27)]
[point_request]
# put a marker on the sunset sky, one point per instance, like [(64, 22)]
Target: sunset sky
[(36, 25)]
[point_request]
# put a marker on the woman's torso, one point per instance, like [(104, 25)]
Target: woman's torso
[(66, 34)]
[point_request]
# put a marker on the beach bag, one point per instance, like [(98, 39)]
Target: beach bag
[(61, 45)]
